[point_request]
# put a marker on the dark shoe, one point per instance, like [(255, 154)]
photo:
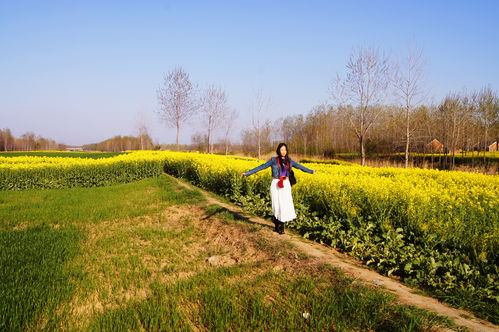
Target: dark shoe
[(276, 224), (281, 227)]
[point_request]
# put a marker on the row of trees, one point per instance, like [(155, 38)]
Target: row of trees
[(461, 122), (381, 106), (377, 106), (32, 142), (27, 142), (180, 100), (123, 143)]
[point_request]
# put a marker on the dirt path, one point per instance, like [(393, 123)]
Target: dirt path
[(354, 268)]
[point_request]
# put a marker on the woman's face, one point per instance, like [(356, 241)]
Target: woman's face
[(283, 151)]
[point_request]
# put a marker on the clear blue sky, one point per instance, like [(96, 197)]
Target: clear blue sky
[(81, 71)]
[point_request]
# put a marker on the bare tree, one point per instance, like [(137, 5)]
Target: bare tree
[(177, 99), (487, 108), (250, 139), (229, 118), (408, 82), (7, 140), (365, 87), (454, 111), (259, 108), (213, 107), (143, 132), (28, 140), (199, 140)]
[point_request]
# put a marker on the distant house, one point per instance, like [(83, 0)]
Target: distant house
[(493, 146), (74, 148), (435, 146)]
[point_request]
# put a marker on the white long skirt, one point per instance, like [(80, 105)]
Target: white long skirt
[(282, 201)]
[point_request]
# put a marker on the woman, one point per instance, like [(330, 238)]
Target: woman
[(283, 208)]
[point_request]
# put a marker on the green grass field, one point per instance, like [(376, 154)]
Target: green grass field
[(134, 257)]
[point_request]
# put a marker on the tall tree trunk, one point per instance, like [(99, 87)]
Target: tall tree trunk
[(259, 144), (362, 151), (209, 140), (317, 148), (407, 134), (176, 140), (485, 144), (454, 139)]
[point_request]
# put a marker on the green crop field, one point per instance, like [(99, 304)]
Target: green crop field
[(134, 257)]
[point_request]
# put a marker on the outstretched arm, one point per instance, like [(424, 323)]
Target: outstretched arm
[(301, 167), (257, 169)]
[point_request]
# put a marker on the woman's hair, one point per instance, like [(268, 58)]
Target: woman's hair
[(286, 158), (278, 150)]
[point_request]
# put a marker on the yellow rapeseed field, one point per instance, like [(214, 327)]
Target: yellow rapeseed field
[(449, 204)]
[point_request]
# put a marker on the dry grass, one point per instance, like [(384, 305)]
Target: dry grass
[(184, 242)]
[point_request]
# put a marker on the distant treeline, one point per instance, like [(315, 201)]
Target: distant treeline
[(27, 142), (454, 126), (122, 143), (32, 142), (63, 154)]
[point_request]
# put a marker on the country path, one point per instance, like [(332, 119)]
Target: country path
[(355, 269)]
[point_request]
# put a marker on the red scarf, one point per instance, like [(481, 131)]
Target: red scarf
[(280, 184)]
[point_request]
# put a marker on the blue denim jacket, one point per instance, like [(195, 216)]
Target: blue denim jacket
[(275, 168)]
